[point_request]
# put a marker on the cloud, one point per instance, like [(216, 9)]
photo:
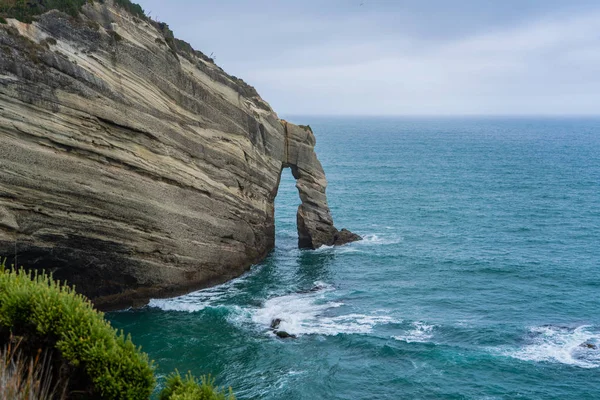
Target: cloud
[(411, 61)]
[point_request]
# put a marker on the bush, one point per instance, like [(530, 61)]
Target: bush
[(189, 388), (25, 10), (133, 8), (48, 315)]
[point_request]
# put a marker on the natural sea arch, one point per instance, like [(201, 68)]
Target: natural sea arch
[(313, 218)]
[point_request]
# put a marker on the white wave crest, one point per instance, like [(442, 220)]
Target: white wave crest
[(338, 249), (303, 313), (176, 305), (306, 314), (367, 240), (376, 239), (421, 333), (199, 300), (563, 345), (324, 249)]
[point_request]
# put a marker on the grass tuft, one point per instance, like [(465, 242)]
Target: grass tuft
[(26, 378)]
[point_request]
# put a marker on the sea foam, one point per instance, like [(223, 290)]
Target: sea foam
[(420, 332), (561, 345), (311, 312), (301, 313), (380, 239), (201, 299)]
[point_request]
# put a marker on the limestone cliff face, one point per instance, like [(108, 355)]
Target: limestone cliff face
[(134, 167)]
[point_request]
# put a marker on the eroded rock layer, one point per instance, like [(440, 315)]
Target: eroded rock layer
[(315, 224), (134, 168)]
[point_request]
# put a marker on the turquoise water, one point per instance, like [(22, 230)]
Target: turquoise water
[(479, 275)]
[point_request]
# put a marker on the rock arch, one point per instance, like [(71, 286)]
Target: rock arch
[(314, 220)]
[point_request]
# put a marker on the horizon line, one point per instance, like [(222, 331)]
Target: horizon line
[(548, 116)]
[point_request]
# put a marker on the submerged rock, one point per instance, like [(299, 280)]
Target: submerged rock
[(284, 335), (589, 346)]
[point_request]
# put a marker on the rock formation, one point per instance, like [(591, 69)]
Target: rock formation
[(133, 166), (315, 224)]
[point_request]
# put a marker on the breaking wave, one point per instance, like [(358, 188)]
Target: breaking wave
[(312, 312), (301, 313), (376, 239), (420, 333), (571, 346)]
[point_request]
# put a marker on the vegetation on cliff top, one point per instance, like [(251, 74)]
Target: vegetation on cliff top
[(133, 8), (25, 10), (28, 10), (86, 356), (306, 127)]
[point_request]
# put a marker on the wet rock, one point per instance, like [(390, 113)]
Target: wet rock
[(284, 335), (313, 289), (589, 346), (345, 236), (275, 323)]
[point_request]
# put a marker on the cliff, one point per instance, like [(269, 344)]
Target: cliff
[(133, 166)]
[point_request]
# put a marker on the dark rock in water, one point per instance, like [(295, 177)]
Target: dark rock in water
[(559, 327), (284, 335), (589, 346), (345, 236), (314, 289), (275, 323)]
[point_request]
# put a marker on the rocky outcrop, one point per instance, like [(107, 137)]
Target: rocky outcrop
[(133, 166), (315, 224)]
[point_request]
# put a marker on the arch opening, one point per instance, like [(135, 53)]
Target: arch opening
[(313, 218)]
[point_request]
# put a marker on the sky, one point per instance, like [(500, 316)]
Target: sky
[(402, 57)]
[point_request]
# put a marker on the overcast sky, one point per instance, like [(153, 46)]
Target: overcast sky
[(403, 57)]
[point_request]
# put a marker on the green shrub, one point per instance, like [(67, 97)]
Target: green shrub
[(133, 8), (25, 10), (189, 388), (46, 314), (3, 20)]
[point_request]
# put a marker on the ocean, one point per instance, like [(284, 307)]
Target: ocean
[(478, 276)]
